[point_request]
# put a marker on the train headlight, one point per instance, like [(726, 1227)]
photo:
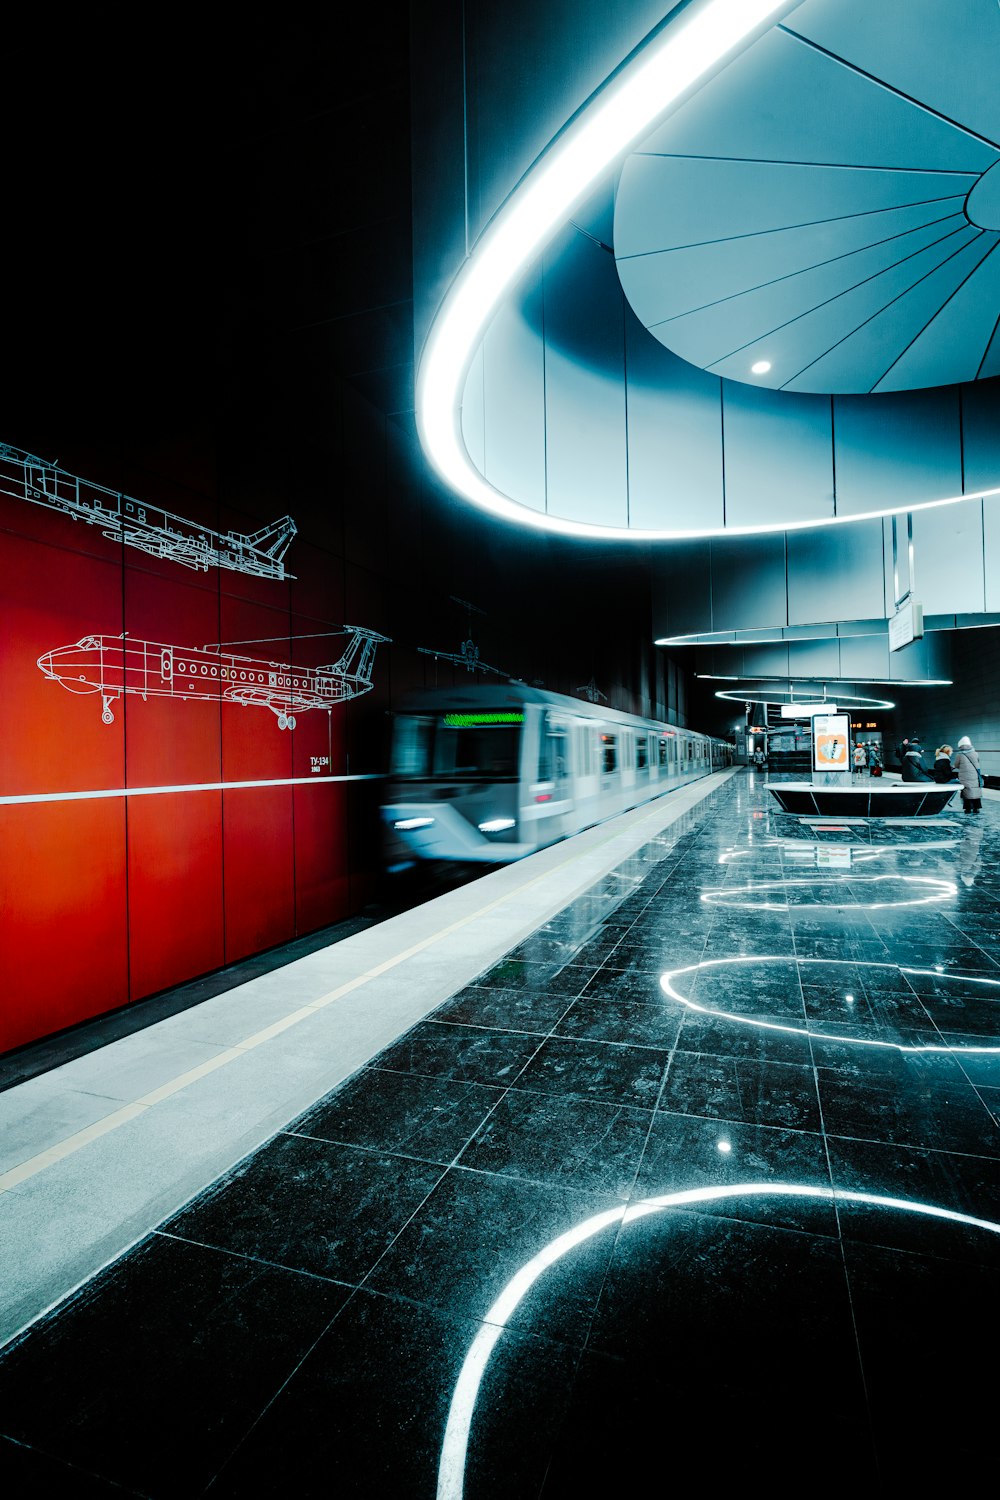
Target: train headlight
[(407, 825), (496, 825)]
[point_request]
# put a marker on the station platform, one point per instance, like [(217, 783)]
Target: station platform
[(690, 1123)]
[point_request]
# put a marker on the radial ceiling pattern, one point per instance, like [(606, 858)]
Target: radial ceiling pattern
[(829, 205)]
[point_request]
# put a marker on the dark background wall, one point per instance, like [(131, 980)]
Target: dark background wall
[(209, 307)]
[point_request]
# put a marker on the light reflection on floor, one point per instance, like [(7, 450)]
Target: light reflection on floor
[(788, 1156)]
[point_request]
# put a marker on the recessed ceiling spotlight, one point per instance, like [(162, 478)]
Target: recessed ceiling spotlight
[(761, 367)]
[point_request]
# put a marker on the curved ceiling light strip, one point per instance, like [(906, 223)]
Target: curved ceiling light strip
[(776, 696), (694, 40), (455, 1446)]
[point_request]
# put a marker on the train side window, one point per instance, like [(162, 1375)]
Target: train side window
[(411, 749), (641, 752), (662, 752), (609, 754), (553, 752)]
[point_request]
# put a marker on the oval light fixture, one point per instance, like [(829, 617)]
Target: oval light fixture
[(760, 367)]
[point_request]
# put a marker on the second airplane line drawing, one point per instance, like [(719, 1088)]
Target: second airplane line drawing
[(155, 531)]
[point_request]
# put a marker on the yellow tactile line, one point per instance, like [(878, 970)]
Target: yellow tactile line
[(72, 1143)]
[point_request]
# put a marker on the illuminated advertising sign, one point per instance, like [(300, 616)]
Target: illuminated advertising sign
[(831, 742)]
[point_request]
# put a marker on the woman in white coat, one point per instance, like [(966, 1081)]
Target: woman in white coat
[(967, 766)]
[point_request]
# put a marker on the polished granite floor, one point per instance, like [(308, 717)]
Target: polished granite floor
[(701, 1183)]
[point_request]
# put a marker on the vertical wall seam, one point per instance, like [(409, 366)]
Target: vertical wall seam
[(833, 452), (128, 888), (545, 398), (628, 484), (722, 445), (465, 126)]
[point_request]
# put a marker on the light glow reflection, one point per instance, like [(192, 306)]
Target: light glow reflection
[(666, 984), (940, 890), (455, 1446)]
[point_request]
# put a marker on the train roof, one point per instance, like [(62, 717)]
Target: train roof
[(503, 695)]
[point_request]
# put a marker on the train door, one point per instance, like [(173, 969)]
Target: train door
[(552, 792)]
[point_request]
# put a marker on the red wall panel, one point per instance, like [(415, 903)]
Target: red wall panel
[(322, 876), (54, 740), (63, 941), (175, 888), (259, 869)]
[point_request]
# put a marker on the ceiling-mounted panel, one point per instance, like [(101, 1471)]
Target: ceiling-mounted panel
[(923, 45), (837, 214), (837, 112)]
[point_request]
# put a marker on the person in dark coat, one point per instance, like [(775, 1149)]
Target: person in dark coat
[(943, 768), (913, 765), (967, 766)]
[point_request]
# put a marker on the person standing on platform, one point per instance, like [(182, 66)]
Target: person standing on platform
[(969, 774), (913, 765), (943, 768), (860, 759)]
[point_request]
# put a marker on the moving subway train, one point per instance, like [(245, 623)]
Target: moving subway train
[(485, 775)]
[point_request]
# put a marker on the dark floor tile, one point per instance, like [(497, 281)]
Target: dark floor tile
[(932, 1179), (640, 986), (846, 1007), (517, 974), (764, 1038), (920, 1331), (727, 1088), (719, 1428), (465, 1053), (556, 1138), (27, 1473), (966, 1003), (477, 1231), (732, 1307), (310, 1205), (979, 1061), (750, 987), (366, 1413), (934, 1115), (504, 1010), (597, 1070), (405, 1114), (155, 1372), (909, 1060), (991, 1098), (596, 1017), (951, 957), (690, 1152)]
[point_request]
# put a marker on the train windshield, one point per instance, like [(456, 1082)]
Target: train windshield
[(481, 745)]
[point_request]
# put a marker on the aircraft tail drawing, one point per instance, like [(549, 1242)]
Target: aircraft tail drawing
[(355, 664), (150, 528), (270, 541)]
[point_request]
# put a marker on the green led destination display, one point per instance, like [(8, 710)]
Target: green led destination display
[(469, 721)]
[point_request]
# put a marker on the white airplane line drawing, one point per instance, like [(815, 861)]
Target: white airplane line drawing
[(467, 657), (152, 529), (114, 665)]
